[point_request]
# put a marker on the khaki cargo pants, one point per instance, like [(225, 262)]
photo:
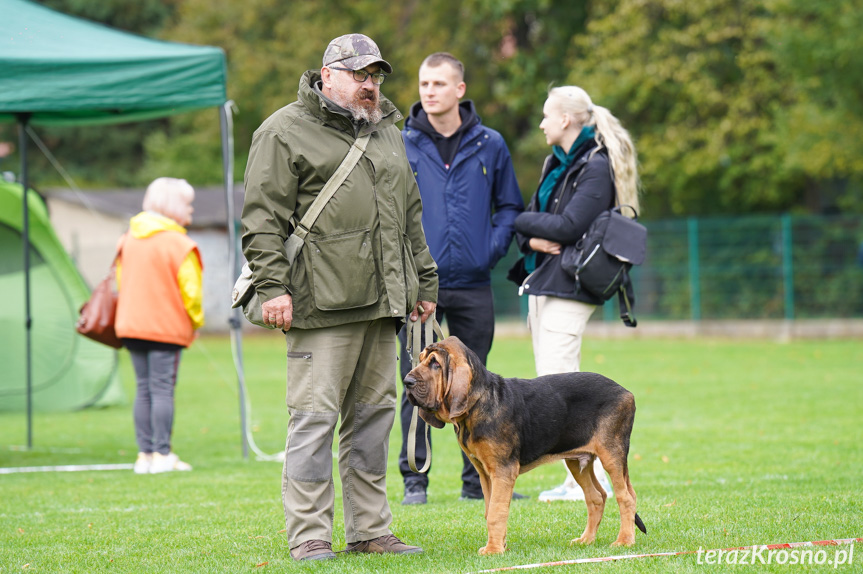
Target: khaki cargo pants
[(347, 370)]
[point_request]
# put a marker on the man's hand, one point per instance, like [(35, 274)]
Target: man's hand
[(279, 312), (423, 310), (544, 246)]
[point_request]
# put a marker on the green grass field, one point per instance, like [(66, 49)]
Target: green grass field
[(735, 443)]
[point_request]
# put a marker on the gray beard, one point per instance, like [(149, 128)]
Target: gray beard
[(363, 113), (361, 109)]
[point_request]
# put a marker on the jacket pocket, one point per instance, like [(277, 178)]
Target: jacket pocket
[(343, 271), (412, 280)]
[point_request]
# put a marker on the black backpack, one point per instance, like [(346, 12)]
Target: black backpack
[(601, 260)]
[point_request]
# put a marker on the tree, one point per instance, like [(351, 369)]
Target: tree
[(507, 47), (736, 106), (820, 47), (697, 85)]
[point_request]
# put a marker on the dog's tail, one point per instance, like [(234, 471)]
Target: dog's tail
[(639, 523)]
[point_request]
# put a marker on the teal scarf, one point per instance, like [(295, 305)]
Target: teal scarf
[(550, 182)]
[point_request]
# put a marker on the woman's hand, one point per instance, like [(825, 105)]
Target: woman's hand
[(544, 246)]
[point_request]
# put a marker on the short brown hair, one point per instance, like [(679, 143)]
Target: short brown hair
[(438, 58)]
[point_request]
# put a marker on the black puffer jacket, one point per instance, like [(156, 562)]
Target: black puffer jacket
[(570, 211)]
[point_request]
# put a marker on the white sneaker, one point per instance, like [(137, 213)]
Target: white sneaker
[(142, 463), (167, 463), (602, 476), (562, 492)]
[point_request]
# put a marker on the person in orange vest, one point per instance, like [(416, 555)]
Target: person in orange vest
[(159, 308)]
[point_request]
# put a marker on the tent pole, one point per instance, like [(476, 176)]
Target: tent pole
[(23, 119), (234, 321)]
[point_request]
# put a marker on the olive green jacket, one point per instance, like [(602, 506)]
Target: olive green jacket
[(366, 256)]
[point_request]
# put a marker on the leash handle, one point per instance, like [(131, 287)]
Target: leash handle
[(413, 339), (412, 445), (414, 336)]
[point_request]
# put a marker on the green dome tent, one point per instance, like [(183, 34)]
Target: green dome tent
[(69, 371)]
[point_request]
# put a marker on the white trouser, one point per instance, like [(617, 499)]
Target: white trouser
[(556, 327)]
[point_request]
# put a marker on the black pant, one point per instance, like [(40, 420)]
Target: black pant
[(469, 315)]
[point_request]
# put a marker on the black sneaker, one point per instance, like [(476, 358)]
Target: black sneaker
[(414, 495)]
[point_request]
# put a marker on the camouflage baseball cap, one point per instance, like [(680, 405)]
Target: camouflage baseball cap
[(355, 51)]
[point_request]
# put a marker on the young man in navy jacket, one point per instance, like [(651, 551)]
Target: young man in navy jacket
[(470, 200)]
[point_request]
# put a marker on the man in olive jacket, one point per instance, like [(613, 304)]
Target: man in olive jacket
[(363, 266)]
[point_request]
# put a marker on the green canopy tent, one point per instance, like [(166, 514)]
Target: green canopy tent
[(59, 70)]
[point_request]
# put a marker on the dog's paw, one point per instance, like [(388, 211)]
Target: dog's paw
[(624, 541), (584, 540), (489, 549)]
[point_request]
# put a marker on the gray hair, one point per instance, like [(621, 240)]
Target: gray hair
[(168, 196)]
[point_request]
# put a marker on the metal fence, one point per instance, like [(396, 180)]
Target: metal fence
[(747, 267)]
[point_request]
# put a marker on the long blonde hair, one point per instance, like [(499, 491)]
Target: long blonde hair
[(610, 133)]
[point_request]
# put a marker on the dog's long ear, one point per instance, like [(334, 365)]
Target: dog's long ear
[(430, 419), (459, 390)]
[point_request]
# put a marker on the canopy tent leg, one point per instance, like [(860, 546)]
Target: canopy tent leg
[(234, 321), (23, 120)]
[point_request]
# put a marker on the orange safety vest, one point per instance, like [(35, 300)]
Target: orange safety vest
[(150, 305)]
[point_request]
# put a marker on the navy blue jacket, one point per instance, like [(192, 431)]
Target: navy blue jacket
[(468, 209)]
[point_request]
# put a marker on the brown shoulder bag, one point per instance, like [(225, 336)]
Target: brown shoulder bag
[(96, 318)]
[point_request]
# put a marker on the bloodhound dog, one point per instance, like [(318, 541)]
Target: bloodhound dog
[(510, 426)]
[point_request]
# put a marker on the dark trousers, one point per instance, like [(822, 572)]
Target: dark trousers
[(469, 315), (156, 378)]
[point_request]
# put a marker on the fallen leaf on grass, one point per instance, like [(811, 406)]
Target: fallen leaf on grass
[(665, 458), (670, 504), (25, 566), (250, 537), (20, 531), (283, 530), (636, 456), (261, 564)]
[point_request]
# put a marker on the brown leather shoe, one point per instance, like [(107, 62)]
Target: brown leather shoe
[(313, 550), (383, 544)]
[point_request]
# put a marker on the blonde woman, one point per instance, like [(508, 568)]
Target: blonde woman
[(592, 155), (159, 308)]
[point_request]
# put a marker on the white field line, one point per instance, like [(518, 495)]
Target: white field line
[(65, 468)]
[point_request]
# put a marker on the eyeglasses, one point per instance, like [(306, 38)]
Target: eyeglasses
[(361, 75)]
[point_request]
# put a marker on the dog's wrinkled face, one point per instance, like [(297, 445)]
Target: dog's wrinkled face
[(440, 384)]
